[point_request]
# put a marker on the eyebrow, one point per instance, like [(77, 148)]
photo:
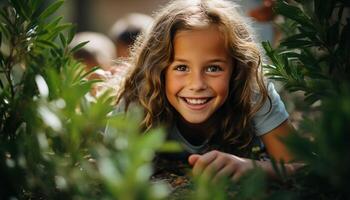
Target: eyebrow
[(208, 61)]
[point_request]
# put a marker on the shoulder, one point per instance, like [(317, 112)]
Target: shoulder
[(271, 114)]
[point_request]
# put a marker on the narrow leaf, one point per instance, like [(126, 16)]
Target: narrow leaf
[(51, 9), (63, 40), (79, 46), (47, 43), (293, 13), (71, 34), (89, 72)]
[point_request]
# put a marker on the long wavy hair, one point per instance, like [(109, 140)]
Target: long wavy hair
[(153, 52)]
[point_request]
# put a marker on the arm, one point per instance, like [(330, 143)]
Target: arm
[(273, 143), (277, 150)]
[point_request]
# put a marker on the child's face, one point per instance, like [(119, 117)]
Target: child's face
[(197, 81)]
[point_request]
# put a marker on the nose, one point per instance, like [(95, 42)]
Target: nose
[(197, 81)]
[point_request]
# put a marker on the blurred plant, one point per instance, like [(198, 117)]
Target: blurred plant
[(314, 58), (51, 142), (250, 186)]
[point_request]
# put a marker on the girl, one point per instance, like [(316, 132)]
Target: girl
[(198, 71)]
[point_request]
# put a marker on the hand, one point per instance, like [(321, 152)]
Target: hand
[(217, 164)]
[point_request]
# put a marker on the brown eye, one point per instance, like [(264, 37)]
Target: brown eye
[(181, 68), (214, 68)]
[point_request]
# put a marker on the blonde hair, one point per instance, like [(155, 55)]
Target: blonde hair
[(153, 51)]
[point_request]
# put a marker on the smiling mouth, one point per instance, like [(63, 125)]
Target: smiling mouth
[(196, 101)]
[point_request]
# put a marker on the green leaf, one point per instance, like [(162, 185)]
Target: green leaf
[(51, 9), (5, 14), (47, 43), (1, 85), (312, 98), (54, 23), (34, 5), (170, 147), (293, 13), (78, 46), (63, 40), (89, 72), (153, 139), (4, 30), (55, 31), (71, 34), (344, 42), (297, 43), (323, 9), (20, 9)]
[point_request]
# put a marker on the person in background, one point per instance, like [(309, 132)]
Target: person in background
[(125, 31), (99, 51)]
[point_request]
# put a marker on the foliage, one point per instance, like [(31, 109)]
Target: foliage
[(314, 58), (52, 146)]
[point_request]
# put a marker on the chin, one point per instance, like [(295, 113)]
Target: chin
[(195, 120)]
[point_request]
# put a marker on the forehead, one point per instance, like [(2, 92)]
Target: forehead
[(205, 40)]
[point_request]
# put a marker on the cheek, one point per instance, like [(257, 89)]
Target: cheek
[(170, 85), (222, 87)]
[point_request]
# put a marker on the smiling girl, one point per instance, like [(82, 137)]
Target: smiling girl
[(198, 72)]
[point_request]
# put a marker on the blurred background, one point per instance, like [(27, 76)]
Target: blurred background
[(99, 16)]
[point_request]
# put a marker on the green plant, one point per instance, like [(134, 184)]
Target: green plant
[(314, 58), (52, 144)]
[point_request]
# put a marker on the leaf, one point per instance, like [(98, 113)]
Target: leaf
[(297, 43), (54, 23), (51, 9), (63, 40), (47, 43), (170, 147), (293, 13), (71, 33), (344, 42), (269, 51), (5, 16), (323, 9), (1, 85), (153, 139), (312, 98), (34, 5), (20, 9), (78, 46), (55, 31)]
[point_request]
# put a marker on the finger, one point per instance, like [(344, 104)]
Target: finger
[(236, 176), (203, 161), (192, 159), (216, 165), (227, 171)]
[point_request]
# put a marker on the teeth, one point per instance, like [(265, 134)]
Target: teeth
[(196, 101)]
